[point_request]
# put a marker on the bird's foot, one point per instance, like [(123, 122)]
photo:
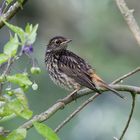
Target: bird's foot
[(74, 96), (61, 101)]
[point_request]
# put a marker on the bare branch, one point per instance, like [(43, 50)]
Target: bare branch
[(76, 112), (126, 75), (129, 18), (130, 116), (135, 29), (7, 70), (68, 99), (91, 99), (13, 9)]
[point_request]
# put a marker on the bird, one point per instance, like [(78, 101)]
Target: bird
[(70, 71)]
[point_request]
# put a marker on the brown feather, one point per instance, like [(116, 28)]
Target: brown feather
[(99, 82)]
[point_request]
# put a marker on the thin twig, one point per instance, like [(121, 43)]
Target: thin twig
[(129, 18), (126, 76), (59, 105), (130, 115), (9, 63), (13, 9), (90, 99), (76, 112), (6, 71)]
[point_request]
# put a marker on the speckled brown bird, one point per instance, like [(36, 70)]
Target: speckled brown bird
[(69, 70)]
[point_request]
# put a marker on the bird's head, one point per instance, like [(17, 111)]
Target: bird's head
[(57, 44)]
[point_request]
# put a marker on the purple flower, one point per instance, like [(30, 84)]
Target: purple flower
[(27, 49)]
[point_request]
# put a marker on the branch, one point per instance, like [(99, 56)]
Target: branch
[(129, 18), (13, 9), (7, 70), (91, 99), (130, 116), (68, 99), (126, 76), (76, 112), (128, 15)]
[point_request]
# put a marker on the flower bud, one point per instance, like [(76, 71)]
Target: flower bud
[(35, 70)]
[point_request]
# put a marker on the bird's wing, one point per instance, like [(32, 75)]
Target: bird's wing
[(76, 68)]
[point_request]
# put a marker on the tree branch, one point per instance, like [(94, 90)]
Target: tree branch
[(133, 25), (89, 100), (68, 99), (7, 70), (126, 76), (13, 9), (130, 115), (129, 18)]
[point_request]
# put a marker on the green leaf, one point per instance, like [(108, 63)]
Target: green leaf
[(20, 79), (7, 118), (19, 109), (2, 138), (31, 33), (26, 114), (18, 134), (20, 32), (21, 96), (5, 111), (28, 28), (17, 106), (45, 131), (23, 100), (2, 78), (3, 58), (9, 2), (20, 1), (11, 47)]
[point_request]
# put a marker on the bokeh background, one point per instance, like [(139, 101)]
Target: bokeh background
[(101, 36)]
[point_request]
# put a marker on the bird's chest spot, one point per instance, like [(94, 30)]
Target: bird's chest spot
[(59, 77)]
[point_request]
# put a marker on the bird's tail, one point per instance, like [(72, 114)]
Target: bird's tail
[(114, 91), (99, 82)]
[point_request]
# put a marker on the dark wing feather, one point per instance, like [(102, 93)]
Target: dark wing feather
[(76, 68)]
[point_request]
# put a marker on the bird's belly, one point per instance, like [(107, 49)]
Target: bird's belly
[(61, 79)]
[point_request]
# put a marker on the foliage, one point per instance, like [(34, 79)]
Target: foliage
[(45, 131), (13, 101)]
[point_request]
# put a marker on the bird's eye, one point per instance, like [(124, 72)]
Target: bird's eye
[(57, 41)]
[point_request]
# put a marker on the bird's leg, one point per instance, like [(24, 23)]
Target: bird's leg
[(73, 94)]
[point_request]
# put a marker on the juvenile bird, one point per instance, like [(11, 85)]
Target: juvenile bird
[(69, 70)]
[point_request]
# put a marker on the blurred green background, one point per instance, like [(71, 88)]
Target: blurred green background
[(101, 36)]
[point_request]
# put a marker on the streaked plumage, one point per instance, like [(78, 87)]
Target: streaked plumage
[(69, 70)]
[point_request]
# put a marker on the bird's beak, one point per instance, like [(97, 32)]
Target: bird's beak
[(66, 42)]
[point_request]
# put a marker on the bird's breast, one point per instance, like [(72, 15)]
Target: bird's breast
[(57, 76)]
